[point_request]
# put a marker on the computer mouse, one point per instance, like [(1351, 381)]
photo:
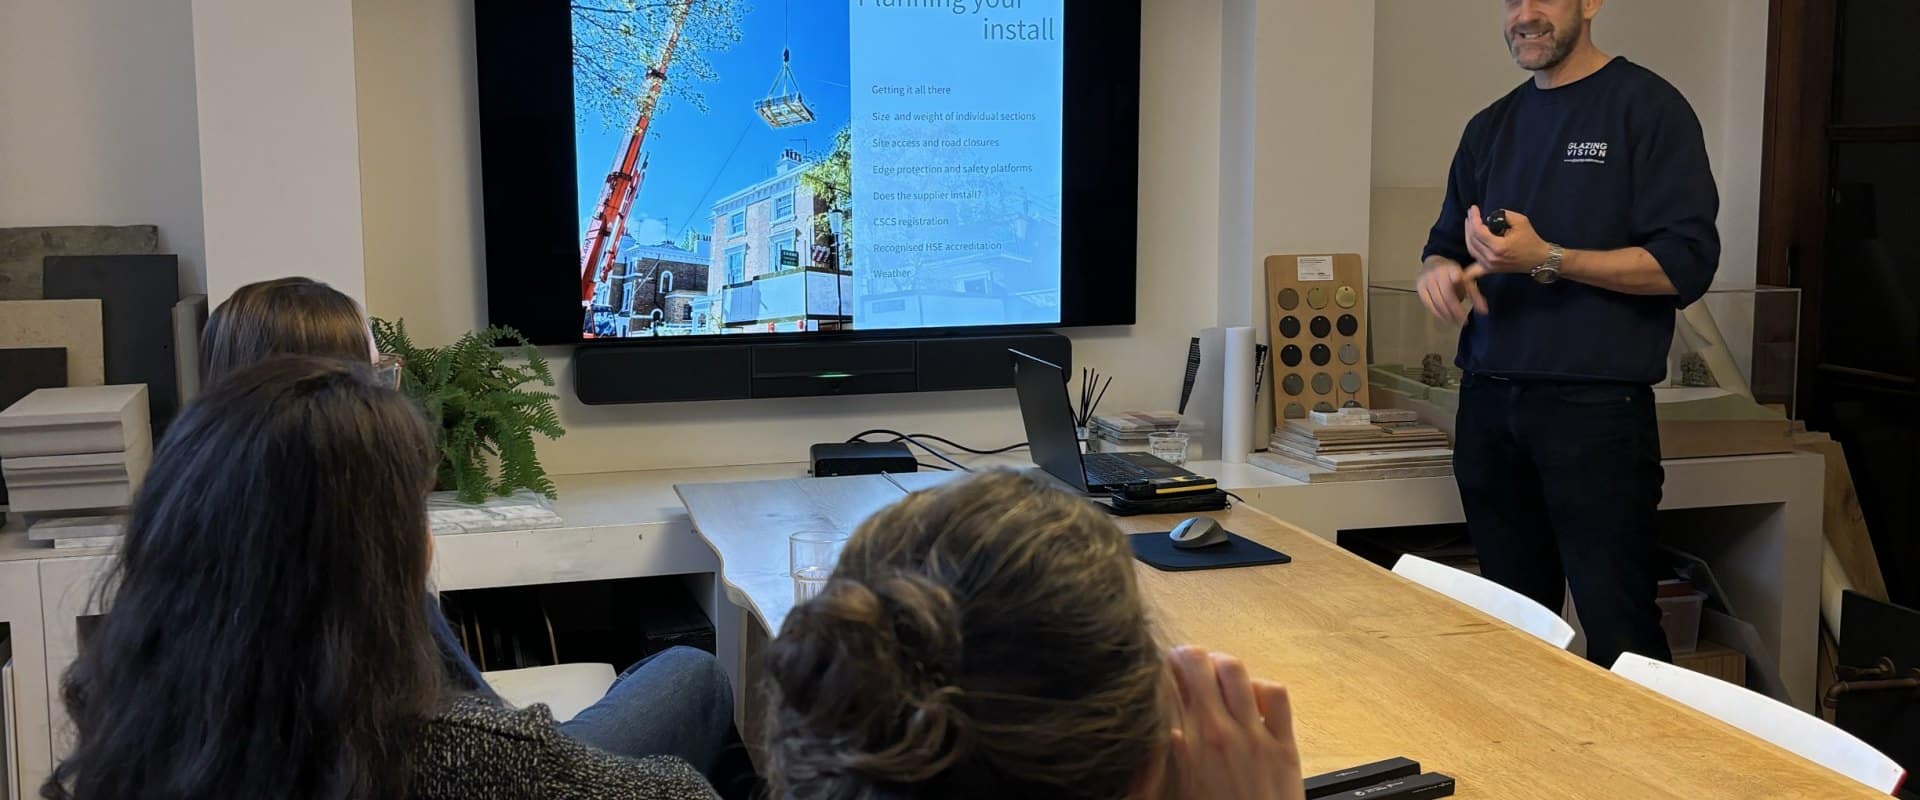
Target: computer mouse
[(1196, 533)]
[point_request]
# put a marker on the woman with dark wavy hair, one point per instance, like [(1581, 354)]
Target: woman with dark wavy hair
[(266, 634), (988, 639), (676, 702)]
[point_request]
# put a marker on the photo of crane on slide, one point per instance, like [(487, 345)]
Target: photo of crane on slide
[(716, 184), (693, 117)]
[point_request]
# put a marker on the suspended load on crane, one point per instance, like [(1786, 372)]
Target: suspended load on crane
[(783, 106)]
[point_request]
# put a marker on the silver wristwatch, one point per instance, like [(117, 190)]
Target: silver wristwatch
[(1549, 270)]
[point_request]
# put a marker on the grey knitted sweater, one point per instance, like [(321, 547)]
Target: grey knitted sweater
[(476, 750)]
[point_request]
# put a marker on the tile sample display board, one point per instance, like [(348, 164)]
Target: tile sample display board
[(71, 324), (137, 294), (23, 251), (1317, 323)]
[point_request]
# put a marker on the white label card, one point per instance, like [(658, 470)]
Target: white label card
[(1316, 268)]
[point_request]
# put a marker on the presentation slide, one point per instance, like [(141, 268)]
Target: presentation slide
[(793, 166)]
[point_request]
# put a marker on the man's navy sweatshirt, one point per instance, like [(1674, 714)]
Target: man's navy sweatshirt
[(1613, 160)]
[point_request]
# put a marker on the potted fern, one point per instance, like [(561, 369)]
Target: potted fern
[(486, 409)]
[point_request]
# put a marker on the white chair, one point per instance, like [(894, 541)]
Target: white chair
[(1500, 602), (1790, 728), (567, 689)]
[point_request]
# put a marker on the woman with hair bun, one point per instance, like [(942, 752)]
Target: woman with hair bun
[(988, 639)]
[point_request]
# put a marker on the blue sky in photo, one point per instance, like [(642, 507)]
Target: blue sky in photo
[(697, 158)]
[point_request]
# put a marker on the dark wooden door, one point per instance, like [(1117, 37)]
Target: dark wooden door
[(1841, 220)]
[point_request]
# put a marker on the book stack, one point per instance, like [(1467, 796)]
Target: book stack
[(1355, 445), (1127, 431), (73, 458)]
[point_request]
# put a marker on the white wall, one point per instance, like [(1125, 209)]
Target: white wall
[(97, 120), (1313, 125), (279, 152), (420, 164), (420, 185), (1438, 62)]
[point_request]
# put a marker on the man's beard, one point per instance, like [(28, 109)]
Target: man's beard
[(1562, 40)]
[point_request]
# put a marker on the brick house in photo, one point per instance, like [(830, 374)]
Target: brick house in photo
[(656, 292)]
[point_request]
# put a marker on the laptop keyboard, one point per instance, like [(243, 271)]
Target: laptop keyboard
[(1114, 471)]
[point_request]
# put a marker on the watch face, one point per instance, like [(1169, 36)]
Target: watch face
[(1545, 276)]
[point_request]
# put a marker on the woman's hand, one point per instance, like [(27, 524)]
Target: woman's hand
[(1234, 734)]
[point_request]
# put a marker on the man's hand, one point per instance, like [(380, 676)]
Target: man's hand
[(1235, 735), (1444, 285), (1520, 250)]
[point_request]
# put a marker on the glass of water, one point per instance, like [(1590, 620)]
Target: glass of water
[(1168, 446), (813, 554)]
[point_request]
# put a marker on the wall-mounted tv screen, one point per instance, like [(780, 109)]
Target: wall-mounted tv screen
[(671, 169)]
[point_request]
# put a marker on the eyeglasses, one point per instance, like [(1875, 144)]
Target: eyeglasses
[(386, 371)]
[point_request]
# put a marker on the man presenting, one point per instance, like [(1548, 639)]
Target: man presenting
[(1600, 170)]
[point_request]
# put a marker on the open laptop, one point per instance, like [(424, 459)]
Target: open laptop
[(1048, 415)]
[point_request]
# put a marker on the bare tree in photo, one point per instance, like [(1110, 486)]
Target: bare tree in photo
[(615, 43)]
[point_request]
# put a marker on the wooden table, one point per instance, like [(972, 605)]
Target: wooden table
[(1378, 666)]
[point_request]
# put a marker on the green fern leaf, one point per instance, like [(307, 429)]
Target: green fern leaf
[(486, 407)]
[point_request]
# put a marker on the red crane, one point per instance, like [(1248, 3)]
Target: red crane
[(602, 245)]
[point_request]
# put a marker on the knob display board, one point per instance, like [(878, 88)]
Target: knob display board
[(1317, 318)]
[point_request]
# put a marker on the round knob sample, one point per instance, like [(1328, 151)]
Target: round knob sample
[(1289, 299), (1321, 355), (1323, 406), (1322, 383), (1293, 384), (1317, 298), (1345, 297), (1290, 355), (1295, 411), (1350, 382), (1349, 355), (1348, 325), (1290, 326), (1321, 327)]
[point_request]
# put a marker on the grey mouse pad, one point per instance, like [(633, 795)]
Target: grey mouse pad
[(1158, 552)]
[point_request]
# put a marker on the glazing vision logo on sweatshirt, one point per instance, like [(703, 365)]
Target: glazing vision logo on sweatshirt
[(1586, 153)]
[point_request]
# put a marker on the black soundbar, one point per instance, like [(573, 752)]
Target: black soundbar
[(607, 374)]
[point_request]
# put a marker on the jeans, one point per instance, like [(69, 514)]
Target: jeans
[(1560, 482), (676, 702)]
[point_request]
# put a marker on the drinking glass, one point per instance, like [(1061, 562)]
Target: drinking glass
[(1168, 446), (813, 554)]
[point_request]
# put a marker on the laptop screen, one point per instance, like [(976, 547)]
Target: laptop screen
[(1048, 416)]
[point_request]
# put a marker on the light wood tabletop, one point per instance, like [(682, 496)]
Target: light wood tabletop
[(1378, 666)]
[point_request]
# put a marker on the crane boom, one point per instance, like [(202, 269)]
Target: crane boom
[(623, 181)]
